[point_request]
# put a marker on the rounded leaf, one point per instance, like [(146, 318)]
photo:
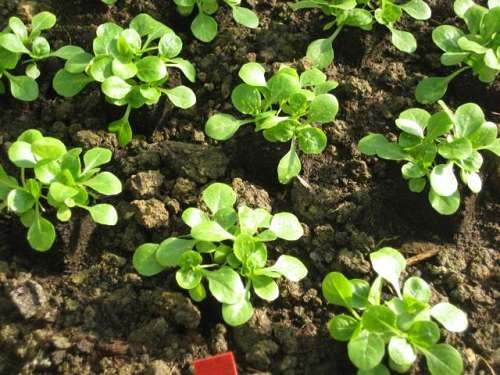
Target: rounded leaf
[(41, 234), (320, 52), (48, 148), (151, 69), (341, 327), (67, 84), (290, 267), (289, 167), (388, 263), (218, 196), (225, 285), (401, 352), (19, 201), (417, 288), (431, 89), (286, 226), (245, 17), (443, 180), (312, 140), (253, 74), (181, 97), (103, 214), (246, 99), (170, 45), (323, 109), (144, 260), (115, 87), (238, 313), (23, 88), (337, 289), (222, 126), (204, 27), (450, 316), (413, 121), (366, 350), (444, 205), (21, 155), (444, 359), (105, 183)]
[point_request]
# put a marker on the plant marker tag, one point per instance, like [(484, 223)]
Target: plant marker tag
[(221, 364)]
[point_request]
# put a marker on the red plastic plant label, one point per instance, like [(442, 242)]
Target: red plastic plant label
[(221, 364)]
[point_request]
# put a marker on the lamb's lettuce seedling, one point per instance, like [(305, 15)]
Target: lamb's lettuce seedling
[(204, 26), (363, 14), (132, 67), (52, 174), (432, 146), (406, 324), (478, 48), (18, 40), (286, 108), (227, 249)]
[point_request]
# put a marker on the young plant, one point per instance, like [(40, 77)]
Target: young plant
[(204, 26), (51, 173), (477, 49), (406, 324), (227, 248), (286, 108), (362, 14), (432, 146), (18, 40), (131, 65)]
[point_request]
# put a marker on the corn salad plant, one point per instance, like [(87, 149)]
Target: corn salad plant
[(477, 48), (286, 108), (18, 40), (362, 14), (204, 26), (401, 327), (131, 65), (432, 146), (226, 249), (52, 174)]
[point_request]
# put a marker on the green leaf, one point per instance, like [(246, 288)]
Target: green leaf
[(238, 313), (431, 89), (290, 267), (283, 84), (401, 352), (444, 205), (443, 180), (411, 170), (225, 285), (78, 63), (417, 185), (377, 370), (21, 155), (18, 27), (424, 333), (103, 213), (19, 201), (105, 183), (446, 37), (188, 278), (360, 292), (40, 47), (312, 140), (32, 71), (67, 84), (418, 288), (151, 69), (218, 196), (494, 147), (144, 24), (222, 126), (30, 136), (23, 88), (66, 52), (451, 317), (468, 118), (181, 97), (169, 251), (13, 43), (253, 74), (443, 359), (42, 21), (246, 99), (48, 148), (118, 68), (379, 319), (289, 166), (96, 157), (413, 121), (245, 17), (337, 289), (170, 45), (198, 293), (438, 125), (210, 231), (46, 171), (366, 350), (115, 87), (122, 129), (194, 217), (144, 260), (204, 27), (389, 264), (417, 9), (265, 287), (312, 77), (60, 192), (41, 234), (342, 327), (323, 109), (320, 52), (371, 144), (286, 226), (403, 40), (458, 149)]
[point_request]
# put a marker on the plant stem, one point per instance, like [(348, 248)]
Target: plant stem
[(335, 33), (450, 77)]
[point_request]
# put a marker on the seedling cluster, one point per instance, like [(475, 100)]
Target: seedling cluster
[(432, 146), (286, 108), (478, 48), (362, 14), (131, 65), (50, 173), (227, 248), (405, 324), (204, 26)]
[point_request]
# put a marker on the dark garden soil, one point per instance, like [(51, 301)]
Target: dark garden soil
[(82, 309)]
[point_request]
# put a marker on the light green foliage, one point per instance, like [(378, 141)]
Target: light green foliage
[(204, 26), (18, 40), (227, 250), (286, 108), (51, 174), (401, 327), (434, 146), (477, 48), (363, 14), (131, 65)]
